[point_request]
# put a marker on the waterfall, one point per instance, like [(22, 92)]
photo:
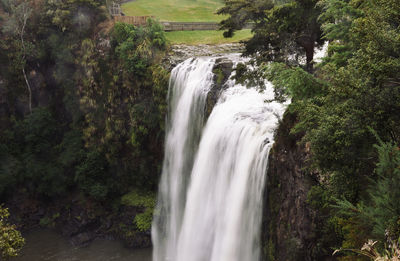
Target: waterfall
[(210, 196)]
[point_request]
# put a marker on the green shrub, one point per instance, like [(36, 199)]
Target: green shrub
[(140, 199), (92, 176), (11, 240)]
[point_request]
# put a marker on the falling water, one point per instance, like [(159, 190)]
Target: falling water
[(210, 197)]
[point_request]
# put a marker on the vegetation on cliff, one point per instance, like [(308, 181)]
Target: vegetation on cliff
[(344, 106), (11, 240), (82, 103), (281, 30)]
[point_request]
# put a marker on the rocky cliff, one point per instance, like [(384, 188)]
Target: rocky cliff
[(289, 229)]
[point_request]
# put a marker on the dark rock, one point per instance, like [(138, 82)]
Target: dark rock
[(82, 239), (131, 237), (222, 70), (289, 227), (70, 228), (138, 240), (180, 52)]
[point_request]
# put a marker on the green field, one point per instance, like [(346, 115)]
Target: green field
[(205, 37), (175, 10), (185, 11)]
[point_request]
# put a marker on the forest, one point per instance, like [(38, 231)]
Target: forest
[(83, 106), (347, 108)]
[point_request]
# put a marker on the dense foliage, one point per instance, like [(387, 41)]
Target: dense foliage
[(11, 240), (283, 30), (82, 101), (350, 102), (146, 200)]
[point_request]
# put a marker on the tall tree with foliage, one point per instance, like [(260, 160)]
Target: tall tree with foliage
[(20, 11), (284, 31), (354, 89), (360, 91), (97, 103), (378, 213)]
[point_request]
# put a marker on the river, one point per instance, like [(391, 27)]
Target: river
[(47, 245)]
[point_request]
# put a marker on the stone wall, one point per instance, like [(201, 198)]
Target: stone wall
[(172, 26), (134, 20), (194, 26), (189, 26)]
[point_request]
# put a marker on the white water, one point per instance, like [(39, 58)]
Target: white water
[(210, 197)]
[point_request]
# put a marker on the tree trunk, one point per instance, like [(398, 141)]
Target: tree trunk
[(309, 58), (29, 90), (308, 43), (25, 18)]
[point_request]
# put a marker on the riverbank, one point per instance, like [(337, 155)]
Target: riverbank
[(79, 219), (46, 244)]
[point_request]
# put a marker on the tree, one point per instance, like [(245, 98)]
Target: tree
[(337, 19), (284, 31), (355, 88), (11, 240), (20, 11), (377, 215), (362, 91)]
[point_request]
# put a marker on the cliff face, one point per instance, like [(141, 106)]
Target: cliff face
[(289, 229)]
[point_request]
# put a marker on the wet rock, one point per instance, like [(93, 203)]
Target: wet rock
[(222, 70), (138, 240), (75, 221), (181, 52), (128, 232), (82, 239), (289, 223)]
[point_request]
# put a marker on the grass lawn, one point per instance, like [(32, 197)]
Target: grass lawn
[(185, 11), (175, 10), (205, 37)]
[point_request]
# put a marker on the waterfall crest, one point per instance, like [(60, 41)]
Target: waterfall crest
[(210, 195)]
